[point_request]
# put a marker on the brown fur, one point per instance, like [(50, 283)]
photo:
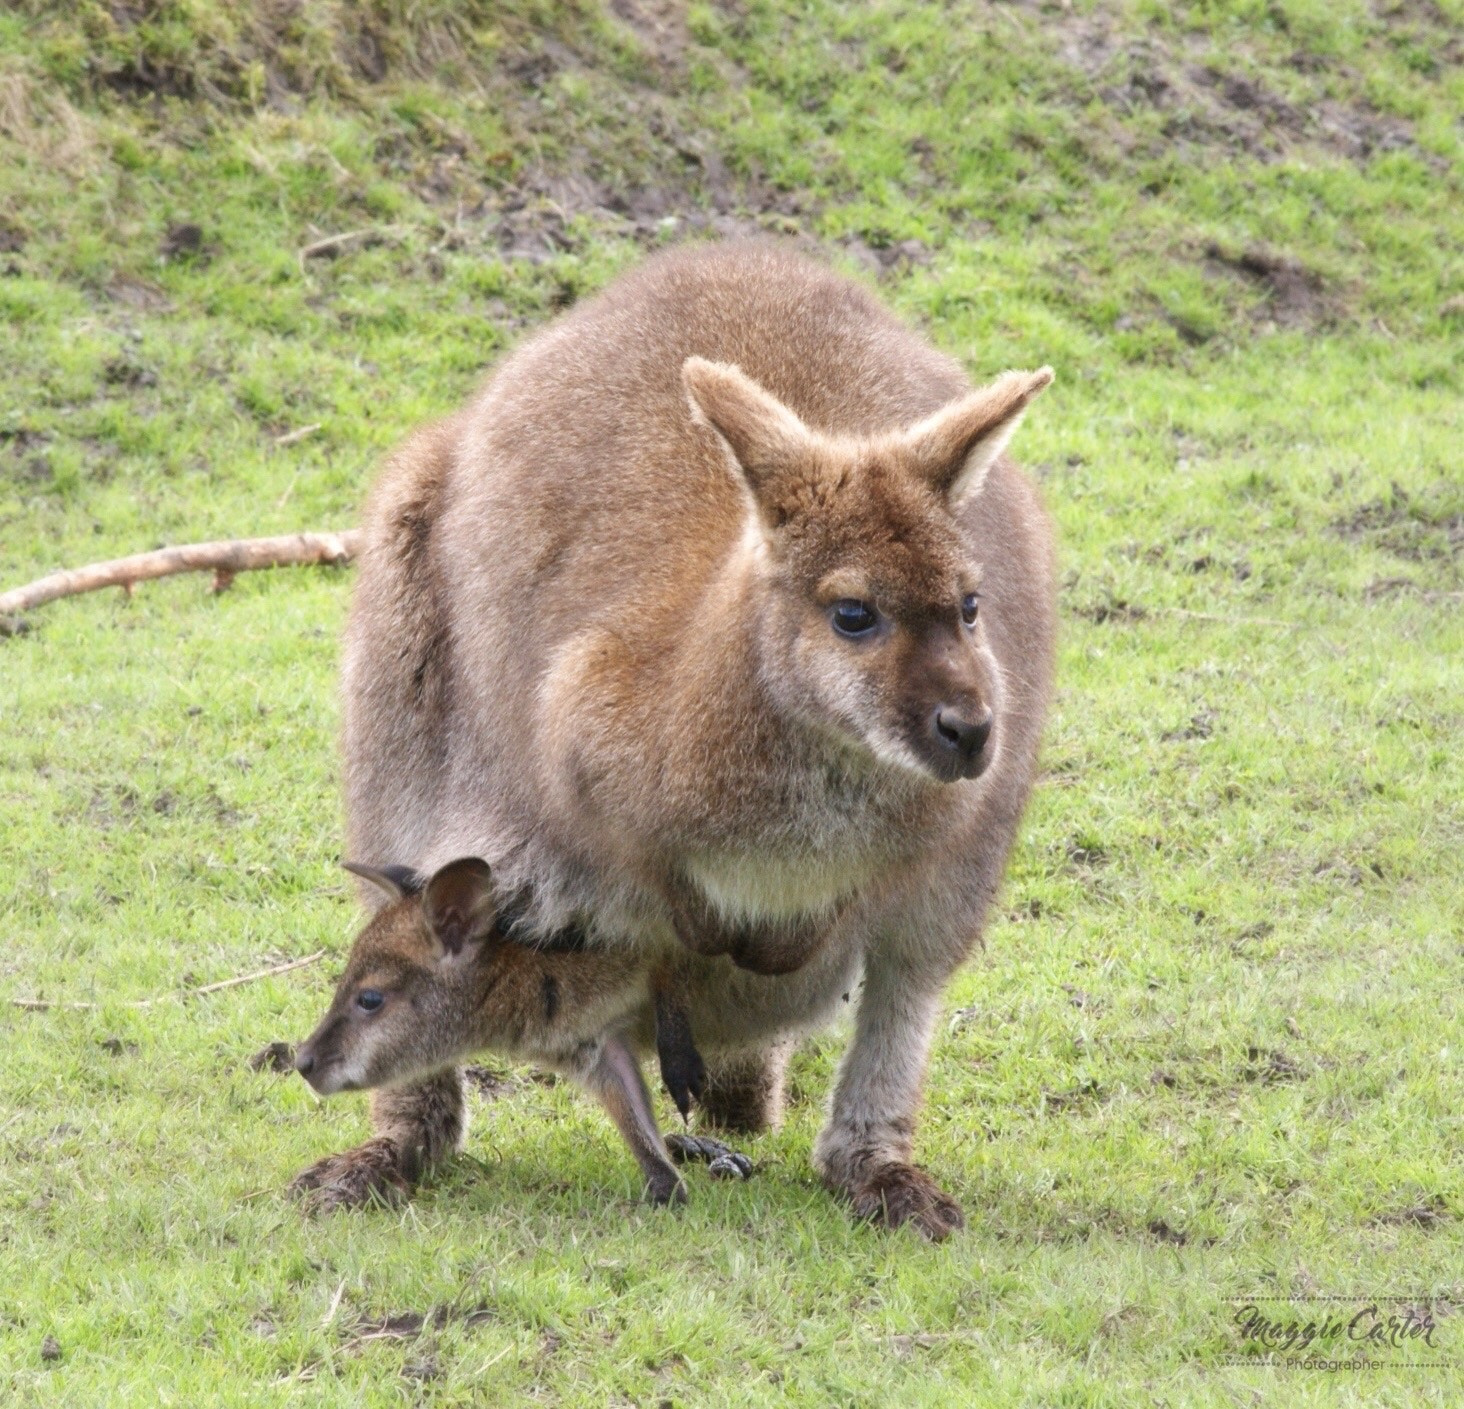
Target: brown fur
[(592, 642)]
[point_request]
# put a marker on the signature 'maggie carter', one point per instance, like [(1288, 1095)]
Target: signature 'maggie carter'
[(1368, 1325)]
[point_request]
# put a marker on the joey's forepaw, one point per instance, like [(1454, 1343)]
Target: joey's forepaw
[(682, 1070), (895, 1194), (371, 1173), (721, 1160)]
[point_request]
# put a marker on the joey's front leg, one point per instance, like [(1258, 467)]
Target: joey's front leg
[(864, 1151), (414, 1128)]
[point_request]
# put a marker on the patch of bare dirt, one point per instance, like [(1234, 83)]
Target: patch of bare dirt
[(660, 25), (1271, 1067), (1420, 527), (1165, 1234), (133, 292), (1294, 296), (1431, 1213), (408, 1325), (1204, 105), (554, 210), (490, 1084), (277, 1057), (1080, 1097), (1201, 726), (1112, 608)]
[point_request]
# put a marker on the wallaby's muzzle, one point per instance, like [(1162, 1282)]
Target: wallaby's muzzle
[(959, 740)]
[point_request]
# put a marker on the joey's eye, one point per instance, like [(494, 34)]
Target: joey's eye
[(369, 999), (970, 606), (854, 618)]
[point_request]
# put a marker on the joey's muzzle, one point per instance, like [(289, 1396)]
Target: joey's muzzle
[(321, 1067)]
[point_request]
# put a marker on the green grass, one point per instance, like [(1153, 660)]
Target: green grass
[(1213, 1045)]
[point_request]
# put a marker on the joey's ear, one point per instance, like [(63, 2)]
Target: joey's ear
[(459, 903), (396, 882), (762, 434), (957, 445)]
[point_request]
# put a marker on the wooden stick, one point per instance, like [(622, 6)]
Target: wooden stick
[(224, 558), (1227, 620), (333, 242), (294, 437), (258, 973), (41, 1004)]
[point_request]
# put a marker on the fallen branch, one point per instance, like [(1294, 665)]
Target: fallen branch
[(224, 558), (36, 1005)]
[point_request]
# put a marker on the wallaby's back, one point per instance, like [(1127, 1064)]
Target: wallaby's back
[(397, 676)]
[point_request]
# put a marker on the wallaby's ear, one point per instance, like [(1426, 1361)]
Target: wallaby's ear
[(396, 882), (459, 903), (958, 444), (762, 434)]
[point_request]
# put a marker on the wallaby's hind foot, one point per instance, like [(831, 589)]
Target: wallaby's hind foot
[(898, 1193), (373, 1173), (722, 1161)]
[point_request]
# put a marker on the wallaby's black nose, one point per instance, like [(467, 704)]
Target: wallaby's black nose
[(966, 735), (304, 1061)]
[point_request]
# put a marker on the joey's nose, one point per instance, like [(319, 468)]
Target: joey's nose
[(964, 732), (304, 1061)]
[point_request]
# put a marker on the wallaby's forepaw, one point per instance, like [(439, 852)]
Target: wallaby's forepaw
[(721, 1160), (371, 1173), (895, 1193)]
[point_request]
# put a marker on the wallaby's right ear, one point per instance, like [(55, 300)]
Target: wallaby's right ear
[(762, 434), (396, 882), (459, 903)]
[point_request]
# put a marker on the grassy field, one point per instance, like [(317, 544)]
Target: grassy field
[(1213, 1048)]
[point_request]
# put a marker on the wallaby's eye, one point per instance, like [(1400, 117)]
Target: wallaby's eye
[(854, 618), (970, 606), (370, 999)]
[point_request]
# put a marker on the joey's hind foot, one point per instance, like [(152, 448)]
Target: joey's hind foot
[(370, 1173), (665, 1189), (722, 1161), (895, 1193)]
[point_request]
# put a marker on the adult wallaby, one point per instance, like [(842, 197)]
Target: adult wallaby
[(436, 976), (719, 619)]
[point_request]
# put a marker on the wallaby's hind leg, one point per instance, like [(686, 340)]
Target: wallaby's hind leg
[(615, 1077), (744, 1090), (415, 1127)]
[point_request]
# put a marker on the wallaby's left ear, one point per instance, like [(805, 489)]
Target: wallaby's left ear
[(958, 444), (459, 904), (765, 437)]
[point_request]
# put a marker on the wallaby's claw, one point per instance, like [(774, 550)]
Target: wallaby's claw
[(371, 1173), (721, 1160)]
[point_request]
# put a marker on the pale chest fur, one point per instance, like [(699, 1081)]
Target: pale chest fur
[(743, 887)]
